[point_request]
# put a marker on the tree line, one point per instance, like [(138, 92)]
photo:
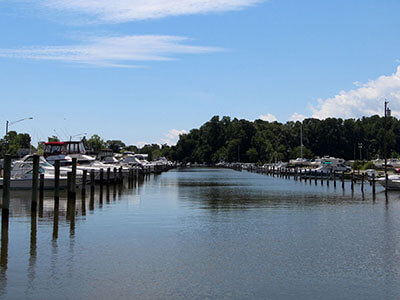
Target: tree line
[(234, 140), (238, 140)]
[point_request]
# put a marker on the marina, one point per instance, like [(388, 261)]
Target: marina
[(239, 234)]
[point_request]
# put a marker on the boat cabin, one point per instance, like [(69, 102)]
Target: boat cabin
[(63, 148)]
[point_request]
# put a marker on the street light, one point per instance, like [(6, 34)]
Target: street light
[(8, 123)]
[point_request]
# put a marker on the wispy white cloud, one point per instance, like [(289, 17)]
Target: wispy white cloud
[(268, 117), (113, 51), (130, 10), (297, 117), (365, 100), (172, 136)]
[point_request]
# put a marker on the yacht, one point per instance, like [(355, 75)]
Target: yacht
[(393, 182), (21, 174), (107, 156), (66, 151)]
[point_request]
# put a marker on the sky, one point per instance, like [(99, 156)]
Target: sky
[(145, 71)]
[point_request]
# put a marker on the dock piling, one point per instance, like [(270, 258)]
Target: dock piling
[(6, 186), (84, 177), (57, 180), (41, 187), (35, 181)]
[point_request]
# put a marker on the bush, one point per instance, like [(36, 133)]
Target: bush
[(368, 165)]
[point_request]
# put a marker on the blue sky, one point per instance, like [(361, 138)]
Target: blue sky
[(145, 70)]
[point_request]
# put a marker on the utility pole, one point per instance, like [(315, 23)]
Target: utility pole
[(360, 145), (301, 140), (387, 114)]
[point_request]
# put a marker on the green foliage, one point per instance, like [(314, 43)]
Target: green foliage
[(235, 140), (357, 165), (296, 152), (115, 145), (368, 165), (95, 143), (13, 142)]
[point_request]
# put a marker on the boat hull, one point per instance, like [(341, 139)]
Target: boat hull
[(26, 184)]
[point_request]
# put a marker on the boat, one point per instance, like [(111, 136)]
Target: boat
[(65, 152), (21, 175), (393, 182), (106, 156)]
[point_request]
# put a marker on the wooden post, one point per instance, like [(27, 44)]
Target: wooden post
[(91, 202), (41, 194), (108, 176), (84, 176), (386, 185), (115, 175), (322, 178), (73, 178), (41, 187), (35, 181), (120, 177), (343, 180), (6, 186), (328, 177), (373, 184), (56, 180), (101, 176), (362, 182), (310, 174), (352, 180), (56, 214)]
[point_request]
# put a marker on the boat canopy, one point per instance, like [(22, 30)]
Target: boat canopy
[(69, 147)]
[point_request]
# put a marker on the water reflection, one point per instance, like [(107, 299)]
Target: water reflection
[(83, 204), (4, 251), (32, 252), (55, 218)]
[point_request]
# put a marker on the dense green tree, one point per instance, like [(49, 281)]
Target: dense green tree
[(115, 145), (95, 143), (234, 140), (13, 142)]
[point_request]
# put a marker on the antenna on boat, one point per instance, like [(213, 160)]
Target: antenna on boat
[(57, 135), (76, 135)]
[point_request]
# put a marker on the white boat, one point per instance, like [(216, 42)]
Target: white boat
[(25, 164), (332, 163), (107, 156), (393, 182), (21, 175), (66, 151), (300, 162)]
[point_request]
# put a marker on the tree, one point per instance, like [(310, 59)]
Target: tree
[(13, 142), (115, 145), (95, 143)]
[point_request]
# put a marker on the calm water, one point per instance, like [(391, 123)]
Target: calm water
[(206, 234)]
